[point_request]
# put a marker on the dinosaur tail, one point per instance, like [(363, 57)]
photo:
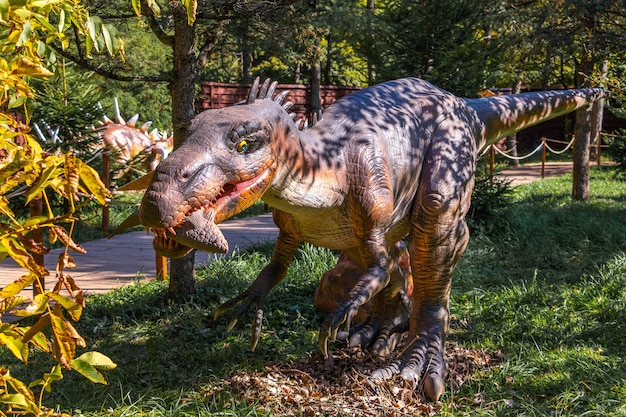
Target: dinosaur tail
[(502, 116)]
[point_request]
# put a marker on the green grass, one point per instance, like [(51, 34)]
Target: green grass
[(544, 283)]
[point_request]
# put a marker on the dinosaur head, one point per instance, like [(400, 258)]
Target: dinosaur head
[(223, 168), (226, 164)]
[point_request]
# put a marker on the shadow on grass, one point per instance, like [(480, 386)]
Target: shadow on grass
[(163, 350)]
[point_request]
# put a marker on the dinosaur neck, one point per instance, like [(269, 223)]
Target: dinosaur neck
[(305, 177), (502, 116)]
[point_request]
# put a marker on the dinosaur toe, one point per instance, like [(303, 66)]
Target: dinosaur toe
[(422, 360)]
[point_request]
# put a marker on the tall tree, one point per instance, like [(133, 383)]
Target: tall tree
[(190, 30), (575, 38), (440, 41)]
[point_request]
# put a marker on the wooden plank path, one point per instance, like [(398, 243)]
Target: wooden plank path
[(129, 257)]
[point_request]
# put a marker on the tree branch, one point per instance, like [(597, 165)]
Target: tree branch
[(87, 64), (210, 43), (156, 28)]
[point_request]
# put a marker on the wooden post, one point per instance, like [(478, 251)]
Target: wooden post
[(492, 160), (161, 267), (36, 209), (543, 158), (105, 177)]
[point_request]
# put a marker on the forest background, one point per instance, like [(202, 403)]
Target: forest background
[(463, 46)]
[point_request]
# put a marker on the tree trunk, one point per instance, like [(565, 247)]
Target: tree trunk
[(246, 52), (597, 113), (511, 141), (371, 66), (582, 137), (182, 89), (316, 87)]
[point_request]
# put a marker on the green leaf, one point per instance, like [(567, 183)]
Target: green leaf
[(18, 348), (55, 375), (98, 360), (44, 22), (16, 400), (107, 39), (61, 24), (152, 4), (191, 6), (73, 308), (136, 7), (88, 371), (25, 35)]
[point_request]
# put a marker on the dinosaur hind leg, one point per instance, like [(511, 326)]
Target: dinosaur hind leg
[(437, 239)]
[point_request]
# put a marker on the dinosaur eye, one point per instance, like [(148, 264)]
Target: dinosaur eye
[(242, 146)]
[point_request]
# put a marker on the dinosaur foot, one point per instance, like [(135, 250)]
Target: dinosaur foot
[(421, 362), (387, 323), (252, 296)]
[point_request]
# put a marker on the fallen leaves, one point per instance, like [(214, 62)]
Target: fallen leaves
[(341, 387)]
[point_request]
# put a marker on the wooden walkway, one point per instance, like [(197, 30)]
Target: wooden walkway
[(129, 257)]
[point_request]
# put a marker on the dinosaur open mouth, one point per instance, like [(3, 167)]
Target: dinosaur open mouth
[(197, 218)]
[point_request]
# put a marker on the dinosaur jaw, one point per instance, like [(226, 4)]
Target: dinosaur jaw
[(196, 226)]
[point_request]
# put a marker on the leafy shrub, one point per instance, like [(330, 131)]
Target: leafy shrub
[(491, 194)]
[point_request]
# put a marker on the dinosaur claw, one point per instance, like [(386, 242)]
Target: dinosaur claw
[(433, 387), (232, 324), (255, 331), (323, 342)]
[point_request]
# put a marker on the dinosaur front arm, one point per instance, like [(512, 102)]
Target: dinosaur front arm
[(285, 250)]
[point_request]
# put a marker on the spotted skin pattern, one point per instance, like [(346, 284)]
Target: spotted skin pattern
[(393, 161)]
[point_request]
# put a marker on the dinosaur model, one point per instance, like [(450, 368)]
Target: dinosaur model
[(130, 143), (387, 162)]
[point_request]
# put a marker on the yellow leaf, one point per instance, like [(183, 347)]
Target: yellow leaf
[(64, 344), (50, 172), (8, 303), (72, 175), (92, 181), (34, 333), (32, 69), (37, 306), (15, 345), (20, 255), (16, 286)]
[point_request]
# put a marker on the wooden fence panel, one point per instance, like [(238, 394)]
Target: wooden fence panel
[(214, 95)]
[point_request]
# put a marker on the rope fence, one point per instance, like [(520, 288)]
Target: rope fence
[(543, 147)]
